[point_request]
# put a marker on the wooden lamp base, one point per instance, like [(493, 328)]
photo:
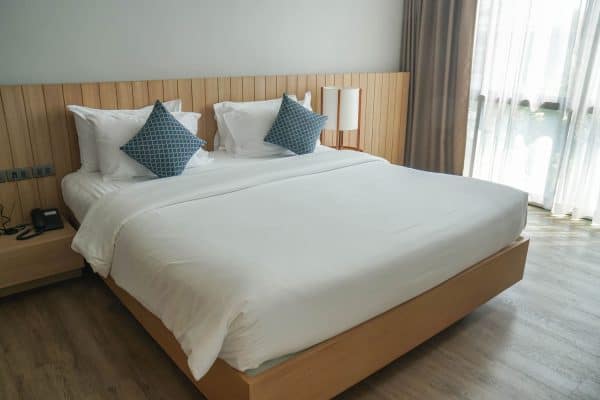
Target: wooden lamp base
[(340, 142)]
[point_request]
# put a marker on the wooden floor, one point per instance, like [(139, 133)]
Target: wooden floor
[(538, 340)]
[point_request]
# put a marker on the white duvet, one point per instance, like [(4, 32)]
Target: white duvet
[(254, 262)]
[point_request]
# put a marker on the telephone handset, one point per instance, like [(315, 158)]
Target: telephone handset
[(42, 221)]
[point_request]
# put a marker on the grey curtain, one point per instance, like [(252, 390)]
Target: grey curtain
[(437, 44)]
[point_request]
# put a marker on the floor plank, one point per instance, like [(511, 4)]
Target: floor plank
[(539, 339)]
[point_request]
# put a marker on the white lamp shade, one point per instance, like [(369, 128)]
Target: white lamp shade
[(349, 104), (349, 99), (330, 106)]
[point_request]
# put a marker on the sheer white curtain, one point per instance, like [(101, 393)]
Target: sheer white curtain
[(534, 112), (578, 187)]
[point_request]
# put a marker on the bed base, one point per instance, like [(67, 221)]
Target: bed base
[(334, 365)]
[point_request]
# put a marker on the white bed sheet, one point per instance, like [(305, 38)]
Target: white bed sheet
[(249, 264), (81, 189)]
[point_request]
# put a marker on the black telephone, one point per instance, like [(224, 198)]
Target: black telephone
[(42, 221)]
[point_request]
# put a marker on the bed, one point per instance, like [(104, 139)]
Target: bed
[(337, 362), (357, 261)]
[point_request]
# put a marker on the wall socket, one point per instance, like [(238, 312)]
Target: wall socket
[(40, 171), (20, 174)]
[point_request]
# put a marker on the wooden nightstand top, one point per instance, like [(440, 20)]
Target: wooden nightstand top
[(25, 264), (10, 243)]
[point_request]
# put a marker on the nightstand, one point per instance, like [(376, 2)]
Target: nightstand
[(38, 261)]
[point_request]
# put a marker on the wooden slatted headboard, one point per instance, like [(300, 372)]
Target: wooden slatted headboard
[(36, 128)]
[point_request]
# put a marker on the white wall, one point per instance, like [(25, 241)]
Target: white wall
[(95, 40)]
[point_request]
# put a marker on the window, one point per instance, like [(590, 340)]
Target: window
[(535, 84)]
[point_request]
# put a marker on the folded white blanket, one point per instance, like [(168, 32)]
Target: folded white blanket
[(97, 234), (252, 263)]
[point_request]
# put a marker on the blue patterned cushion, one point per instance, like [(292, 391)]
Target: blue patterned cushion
[(163, 145), (296, 128)]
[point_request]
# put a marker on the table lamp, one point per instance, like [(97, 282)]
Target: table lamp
[(342, 107)]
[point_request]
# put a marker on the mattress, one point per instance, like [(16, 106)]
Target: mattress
[(82, 189), (253, 262)]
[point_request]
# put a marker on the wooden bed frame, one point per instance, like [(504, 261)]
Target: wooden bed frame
[(334, 365)]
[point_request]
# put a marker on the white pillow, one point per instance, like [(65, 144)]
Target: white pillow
[(248, 127), (113, 130), (223, 138), (87, 141)]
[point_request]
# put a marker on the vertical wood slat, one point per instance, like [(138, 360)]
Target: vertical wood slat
[(224, 85), (292, 85), (59, 134), (16, 123), (248, 88), (271, 87), (338, 80), (396, 123), (169, 90), (402, 99), (369, 110), (281, 85), (155, 91), (140, 94), (124, 95), (347, 79), (108, 95), (376, 114), (236, 90), (198, 105), (20, 144), (260, 88), (30, 198), (72, 94), (90, 95), (11, 200), (9, 192), (389, 132), (6, 158), (383, 111), (39, 133), (329, 135), (39, 130), (363, 106), (349, 138)]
